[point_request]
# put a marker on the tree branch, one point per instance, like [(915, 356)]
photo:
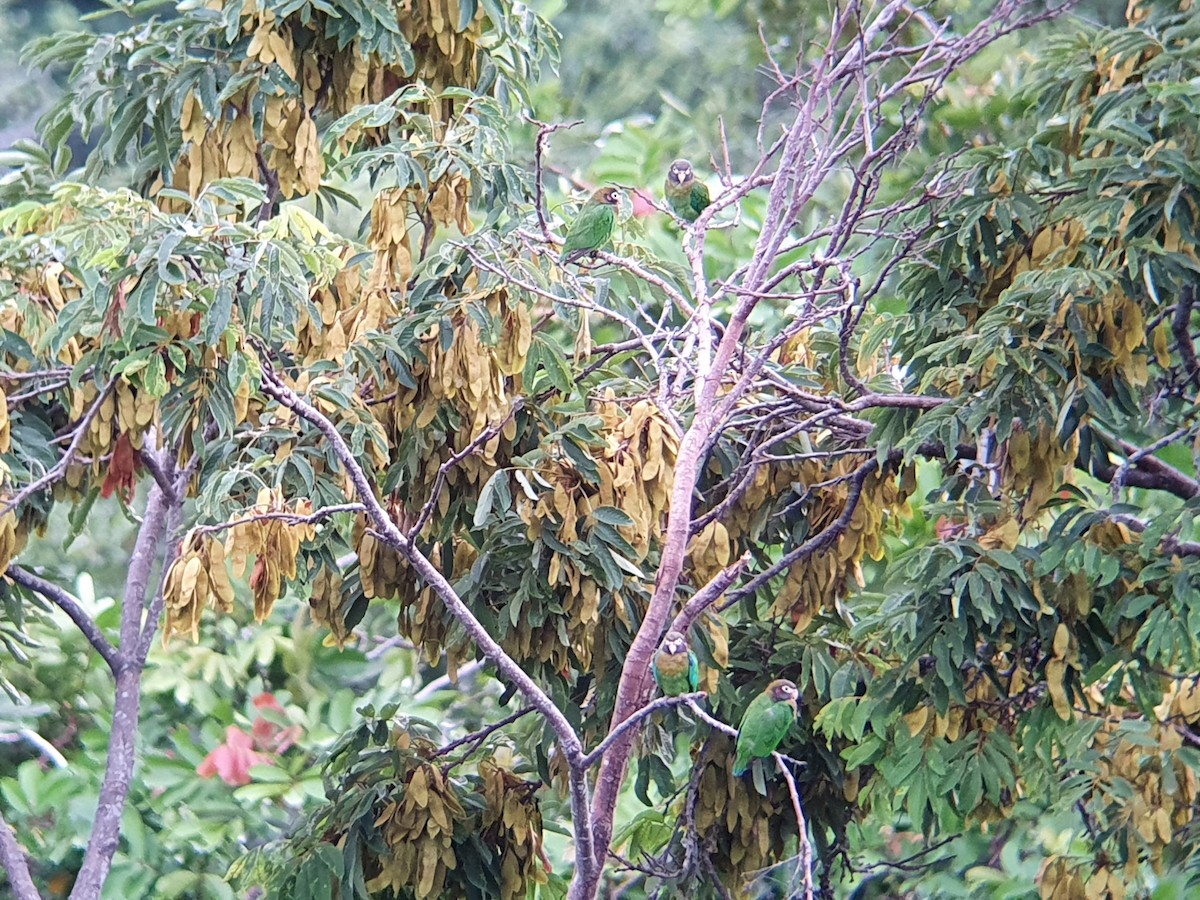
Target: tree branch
[(387, 531), (16, 864), (60, 467), (289, 518), (455, 458), (615, 735), (1181, 328), (72, 608), (709, 594), (478, 737), (1147, 472), (539, 153), (122, 747), (814, 544), (441, 683), (806, 850)]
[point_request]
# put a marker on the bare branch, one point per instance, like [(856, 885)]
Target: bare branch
[(815, 544), (455, 458), (1134, 458), (478, 737), (60, 468), (1147, 471), (806, 850), (16, 399), (157, 471), (709, 594), (16, 864), (122, 747), (289, 518), (39, 743), (1181, 328), (613, 736), (72, 608), (539, 154), (441, 683), (387, 530), (1170, 543)]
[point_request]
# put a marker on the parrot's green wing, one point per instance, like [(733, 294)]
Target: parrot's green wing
[(764, 725), (698, 200), (693, 672), (590, 231), (685, 201)]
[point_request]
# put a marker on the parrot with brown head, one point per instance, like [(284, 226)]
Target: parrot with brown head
[(765, 723), (593, 227), (686, 196)]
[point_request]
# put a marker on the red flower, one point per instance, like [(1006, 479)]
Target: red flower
[(642, 205), (232, 760), (268, 735)]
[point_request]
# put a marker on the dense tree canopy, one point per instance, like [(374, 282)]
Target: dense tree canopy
[(341, 518)]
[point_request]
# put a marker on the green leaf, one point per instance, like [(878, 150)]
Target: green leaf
[(154, 378), (494, 490), (168, 271), (176, 883), (219, 314), (610, 515)]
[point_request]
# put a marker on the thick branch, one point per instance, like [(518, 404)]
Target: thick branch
[(122, 747), (1170, 543), (708, 595), (1181, 328), (615, 735), (1148, 472), (16, 864), (72, 608), (390, 534)]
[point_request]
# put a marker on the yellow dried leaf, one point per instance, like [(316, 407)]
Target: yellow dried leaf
[(1055, 673), (418, 789), (1062, 640)]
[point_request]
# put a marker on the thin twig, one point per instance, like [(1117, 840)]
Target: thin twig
[(455, 458), (442, 682), (59, 469), (478, 737), (539, 152), (289, 518), (817, 543), (806, 851)]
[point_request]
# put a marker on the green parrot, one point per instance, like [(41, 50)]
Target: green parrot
[(593, 226), (675, 666), (686, 196), (765, 723)]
